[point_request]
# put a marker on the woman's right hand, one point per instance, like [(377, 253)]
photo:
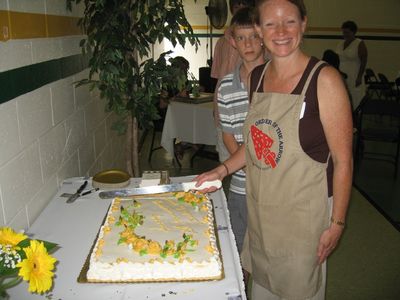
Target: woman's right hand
[(217, 173)]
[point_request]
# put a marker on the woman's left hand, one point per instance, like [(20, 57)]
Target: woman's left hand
[(328, 242)]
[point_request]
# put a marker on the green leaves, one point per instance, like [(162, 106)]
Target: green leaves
[(130, 220), (119, 35)]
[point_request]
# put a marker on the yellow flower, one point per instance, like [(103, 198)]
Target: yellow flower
[(154, 247), (10, 237), (37, 267), (140, 244)]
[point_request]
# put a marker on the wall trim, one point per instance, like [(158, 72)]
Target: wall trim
[(16, 82), (23, 25)]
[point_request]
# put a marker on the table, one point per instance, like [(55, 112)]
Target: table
[(193, 123), (74, 227)]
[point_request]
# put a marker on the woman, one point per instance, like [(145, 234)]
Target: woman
[(297, 152), (353, 60)]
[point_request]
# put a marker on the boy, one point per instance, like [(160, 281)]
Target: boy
[(233, 106), (224, 62)]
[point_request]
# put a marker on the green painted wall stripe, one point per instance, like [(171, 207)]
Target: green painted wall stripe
[(22, 80), (322, 37), (16, 82)]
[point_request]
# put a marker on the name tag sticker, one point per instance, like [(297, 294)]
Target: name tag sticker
[(303, 108)]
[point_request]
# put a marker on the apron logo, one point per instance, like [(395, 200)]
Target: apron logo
[(262, 145), (267, 147)]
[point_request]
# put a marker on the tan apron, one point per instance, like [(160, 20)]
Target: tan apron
[(286, 197)]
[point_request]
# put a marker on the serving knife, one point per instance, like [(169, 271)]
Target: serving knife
[(157, 189), (73, 197)]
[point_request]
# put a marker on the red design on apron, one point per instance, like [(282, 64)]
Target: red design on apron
[(262, 146)]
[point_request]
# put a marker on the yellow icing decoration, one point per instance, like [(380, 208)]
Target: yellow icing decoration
[(154, 248), (140, 244)]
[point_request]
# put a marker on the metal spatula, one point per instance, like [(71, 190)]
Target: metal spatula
[(175, 187)]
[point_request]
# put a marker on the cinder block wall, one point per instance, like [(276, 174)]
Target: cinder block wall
[(50, 129)]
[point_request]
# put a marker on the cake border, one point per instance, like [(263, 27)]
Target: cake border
[(82, 277)]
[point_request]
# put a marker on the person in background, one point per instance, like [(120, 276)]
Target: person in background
[(224, 61), (182, 64), (233, 102), (353, 56), (332, 58), (298, 156)]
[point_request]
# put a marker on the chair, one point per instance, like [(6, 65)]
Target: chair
[(378, 122), (370, 76), (397, 85), (372, 82), (386, 88), (158, 126)]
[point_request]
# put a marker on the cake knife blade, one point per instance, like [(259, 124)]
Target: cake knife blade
[(157, 189)]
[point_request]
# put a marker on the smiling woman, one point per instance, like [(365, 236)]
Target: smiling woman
[(298, 106)]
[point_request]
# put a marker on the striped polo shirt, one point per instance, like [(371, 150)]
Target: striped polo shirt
[(233, 103)]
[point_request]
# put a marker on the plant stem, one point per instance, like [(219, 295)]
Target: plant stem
[(6, 285)]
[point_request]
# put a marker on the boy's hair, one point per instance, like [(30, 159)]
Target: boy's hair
[(244, 17), (238, 2)]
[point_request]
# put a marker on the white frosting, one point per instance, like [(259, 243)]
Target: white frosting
[(165, 219)]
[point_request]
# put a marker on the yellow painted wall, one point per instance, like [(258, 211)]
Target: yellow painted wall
[(374, 18)]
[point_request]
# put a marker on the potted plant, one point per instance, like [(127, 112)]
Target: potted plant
[(120, 35)]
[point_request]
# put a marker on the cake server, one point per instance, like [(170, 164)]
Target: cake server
[(157, 189), (73, 197)]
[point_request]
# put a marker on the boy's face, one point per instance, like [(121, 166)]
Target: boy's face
[(247, 42)]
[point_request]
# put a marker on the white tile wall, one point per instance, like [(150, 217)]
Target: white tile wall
[(75, 129), (31, 171), (9, 138), (82, 93), (19, 180), (48, 134), (57, 7), (70, 168), (53, 150), (86, 156), (46, 49), (32, 6), (62, 99), (41, 199), (2, 221), (15, 54), (34, 114), (70, 45), (3, 5), (107, 157), (94, 114), (19, 221), (100, 138), (37, 154), (21, 53)]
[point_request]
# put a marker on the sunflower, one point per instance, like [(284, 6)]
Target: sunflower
[(10, 237), (37, 267)]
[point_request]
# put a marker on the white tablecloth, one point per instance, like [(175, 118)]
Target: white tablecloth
[(193, 123), (74, 227)]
